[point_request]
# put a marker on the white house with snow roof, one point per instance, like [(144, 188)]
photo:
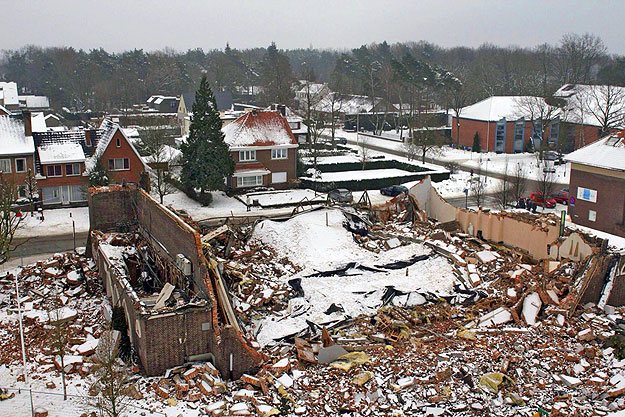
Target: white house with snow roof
[(16, 153)]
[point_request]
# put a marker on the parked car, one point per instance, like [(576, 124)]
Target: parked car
[(538, 199), (561, 196), (340, 140), (393, 190), (340, 195)]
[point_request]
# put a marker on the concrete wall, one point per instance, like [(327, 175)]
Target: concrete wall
[(493, 226)]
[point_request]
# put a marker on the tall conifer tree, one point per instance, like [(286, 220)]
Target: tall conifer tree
[(207, 160)]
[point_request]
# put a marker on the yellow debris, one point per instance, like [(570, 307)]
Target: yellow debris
[(349, 360)]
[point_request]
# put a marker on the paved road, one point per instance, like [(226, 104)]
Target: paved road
[(532, 184), (48, 244)]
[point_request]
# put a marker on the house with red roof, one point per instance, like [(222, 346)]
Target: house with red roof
[(264, 150)]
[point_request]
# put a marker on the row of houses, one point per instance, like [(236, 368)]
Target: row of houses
[(55, 165), (11, 102)]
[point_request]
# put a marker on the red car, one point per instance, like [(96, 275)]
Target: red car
[(561, 196), (539, 200)]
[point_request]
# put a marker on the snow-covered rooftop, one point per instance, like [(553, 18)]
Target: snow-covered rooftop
[(608, 153), (34, 102), (495, 108), (8, 94), (38, 122), (259, 128), (13, 140), (591, 105), (62, 152)]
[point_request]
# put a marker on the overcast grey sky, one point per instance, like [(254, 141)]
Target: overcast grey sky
[(119, 25)]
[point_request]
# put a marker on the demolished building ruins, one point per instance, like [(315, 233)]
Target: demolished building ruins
[(152, 264)]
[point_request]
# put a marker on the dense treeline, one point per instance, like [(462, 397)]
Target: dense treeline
[(99, 80)]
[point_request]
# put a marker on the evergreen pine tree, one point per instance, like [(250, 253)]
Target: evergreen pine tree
[(98, 175), (477, 144), (206, 156)]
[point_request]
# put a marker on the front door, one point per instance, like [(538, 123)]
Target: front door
[(65, 194)]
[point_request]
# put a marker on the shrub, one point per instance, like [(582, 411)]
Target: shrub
[(452, 167), (477, 144)]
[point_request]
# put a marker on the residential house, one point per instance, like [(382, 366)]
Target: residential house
[(223, 100), (597, 184), (163, 104), (310, 93), (263, 148), (8, 96), (64, 159), (16, 154), (13, 102), (296, 123)]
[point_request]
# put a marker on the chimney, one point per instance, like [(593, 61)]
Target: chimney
[(88, 137), (28, 123), (282, 109)]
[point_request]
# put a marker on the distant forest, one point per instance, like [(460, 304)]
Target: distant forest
[(101, 81)]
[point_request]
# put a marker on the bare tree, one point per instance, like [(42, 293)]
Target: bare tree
[(478, 186), (545, 182), (605, 104), (109, 393), (577, 57), (363, 151), (10, 222), (428, 141), (518, 181), (161, 156), (504, 193)]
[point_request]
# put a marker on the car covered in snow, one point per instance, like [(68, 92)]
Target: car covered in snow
[(340, 195), (393, 190)]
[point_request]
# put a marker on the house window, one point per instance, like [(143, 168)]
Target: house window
[(20, 165), (250, 181), (119, 164), (54, 171), (500, 136), (592, 215), (294, 125), (5, 166), (118, 142), (280, 153), (72, 169), (247, 156), (22, 191)]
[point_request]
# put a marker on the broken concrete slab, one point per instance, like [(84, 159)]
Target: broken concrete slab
[(330, 353), (531, 308)]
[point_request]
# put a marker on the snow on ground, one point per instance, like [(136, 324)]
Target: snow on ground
[(458, 182), (309, 243), (490, 161), (221, 206), (364, 174), (282, 197), (56, 222)]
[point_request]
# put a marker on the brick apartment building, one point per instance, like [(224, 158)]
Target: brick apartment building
[(503, 127), (263, 148), (598, 185)]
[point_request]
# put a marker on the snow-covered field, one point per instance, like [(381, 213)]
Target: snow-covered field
[(309, 243), (56, 222), (282, 197), (364, 174)]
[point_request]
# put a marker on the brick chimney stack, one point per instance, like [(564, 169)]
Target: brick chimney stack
[(28, 123)]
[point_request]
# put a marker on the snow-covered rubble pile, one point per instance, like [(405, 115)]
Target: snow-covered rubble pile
[(331, 297)]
